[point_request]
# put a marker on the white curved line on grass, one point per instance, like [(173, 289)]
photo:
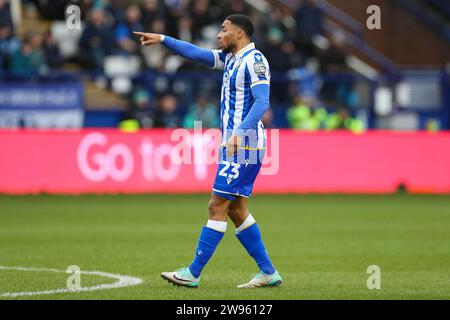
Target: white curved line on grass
[(122, 281)]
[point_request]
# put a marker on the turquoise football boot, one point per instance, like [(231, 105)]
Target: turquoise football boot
[(181, 277), (262, 280)]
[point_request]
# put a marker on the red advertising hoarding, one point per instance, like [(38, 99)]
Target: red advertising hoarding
[(110, 161)]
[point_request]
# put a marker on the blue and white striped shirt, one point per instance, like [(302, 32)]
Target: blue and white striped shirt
[(246, 69)]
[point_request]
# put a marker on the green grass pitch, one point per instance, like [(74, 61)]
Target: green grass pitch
[(321, 244)]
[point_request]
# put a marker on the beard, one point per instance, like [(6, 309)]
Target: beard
[(228, 49)]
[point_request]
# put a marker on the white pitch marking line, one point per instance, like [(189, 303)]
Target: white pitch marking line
[(122, 281)]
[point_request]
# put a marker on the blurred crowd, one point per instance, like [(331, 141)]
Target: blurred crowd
[(287, 40), (33, 53)]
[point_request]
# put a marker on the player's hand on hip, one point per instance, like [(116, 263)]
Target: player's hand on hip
[(233, 145), (148, 39)]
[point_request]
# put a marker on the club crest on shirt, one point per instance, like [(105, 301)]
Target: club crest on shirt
[(259, 67)]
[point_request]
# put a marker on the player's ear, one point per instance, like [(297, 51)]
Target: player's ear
[(240, 34)]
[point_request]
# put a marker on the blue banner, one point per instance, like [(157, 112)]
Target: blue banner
[(20, 96), (24, 105)]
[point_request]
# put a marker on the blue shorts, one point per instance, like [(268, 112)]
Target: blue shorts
[(236, 175)]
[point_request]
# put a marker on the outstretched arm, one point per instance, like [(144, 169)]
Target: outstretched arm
[(185, 49)]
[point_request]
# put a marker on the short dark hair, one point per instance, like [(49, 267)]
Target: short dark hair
[(243, 22)]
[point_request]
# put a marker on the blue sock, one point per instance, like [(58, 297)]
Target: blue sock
[(252, 242), (207, 244)]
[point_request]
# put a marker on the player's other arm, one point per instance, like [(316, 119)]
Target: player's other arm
[(185, 49), (258, 70), (261, 93)]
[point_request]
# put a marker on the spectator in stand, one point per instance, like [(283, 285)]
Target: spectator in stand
[(9, 45), (333, 59), (96, 42), (29, 60), (141, 109), (154, 57), (174, 10), (114, 8), (51, 51), (126, 41), (273, 20), (342, 120), (305, 115), (278, 52), (5, 14), (150, 11), (166, 116), (86, 6), (37, 45), (204, 111), (201, 17), (277, 41), (234, 6), (52, 10), (259, 33), (281, 55), (309, 23), (298, 114), (185, 29)]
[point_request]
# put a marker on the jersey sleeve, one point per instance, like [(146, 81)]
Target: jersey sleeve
[(190, 51), (258, 68), (219, 59)]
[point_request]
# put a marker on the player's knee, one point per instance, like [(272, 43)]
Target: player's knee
[(234, 216), (213, 206), (237, 215), (233, 212), (237, 209), (217, 208)]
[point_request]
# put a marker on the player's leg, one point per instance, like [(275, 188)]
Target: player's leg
[(211, 234), (248, 233), (210, 237), (238, 211)]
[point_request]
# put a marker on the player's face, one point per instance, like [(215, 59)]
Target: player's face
[(227, 36)]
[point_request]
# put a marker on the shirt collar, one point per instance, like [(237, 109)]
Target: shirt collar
[(248, 47)]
